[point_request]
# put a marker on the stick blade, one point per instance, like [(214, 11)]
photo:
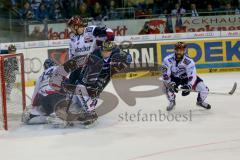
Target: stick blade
[(233, 89)]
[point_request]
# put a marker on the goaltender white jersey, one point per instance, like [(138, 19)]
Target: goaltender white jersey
[(185, 69), (85, 43), (42, 85)]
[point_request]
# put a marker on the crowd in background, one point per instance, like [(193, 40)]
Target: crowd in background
[(40, 10)]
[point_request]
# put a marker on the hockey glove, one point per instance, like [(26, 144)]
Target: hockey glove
[(187, 89), (173, 87)]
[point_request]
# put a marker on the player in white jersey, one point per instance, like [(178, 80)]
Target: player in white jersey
[(86, 39), (44, 98), (179, 69)]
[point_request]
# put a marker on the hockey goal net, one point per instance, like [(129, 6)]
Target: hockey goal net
[(12, 87)]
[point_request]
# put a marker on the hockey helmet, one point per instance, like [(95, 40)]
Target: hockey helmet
[(48, 63), (77, 21), (12, 48), (108, 45), (180, 45), (180, 50)]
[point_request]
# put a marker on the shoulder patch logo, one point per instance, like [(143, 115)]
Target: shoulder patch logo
[(89, 29), (186, 61)]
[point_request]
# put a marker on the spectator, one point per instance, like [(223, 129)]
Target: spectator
[(34, 5), (26, 12), (140, 14), (149, 13), (237, 11), (178, 11), (141, 4), (37, 34), (150, 4), (145, 29), (209, 10), (228, 9), (83, 10), (194, 10), (76, 4), (48, 4), (66, 4), (158, 6), (112, 13), (130, 3), (42, 13), (56, 11), (97, 12), (169, 26)]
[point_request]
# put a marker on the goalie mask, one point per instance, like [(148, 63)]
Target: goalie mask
[(180, 50), (48, 63), (77, 24)]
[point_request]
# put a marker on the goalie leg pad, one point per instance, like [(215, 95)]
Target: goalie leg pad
[(57, 78), (38, 120)]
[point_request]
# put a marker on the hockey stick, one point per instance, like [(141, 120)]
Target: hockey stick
[(231, 92)]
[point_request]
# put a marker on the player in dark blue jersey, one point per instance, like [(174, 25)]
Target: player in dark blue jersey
[(97, 70)]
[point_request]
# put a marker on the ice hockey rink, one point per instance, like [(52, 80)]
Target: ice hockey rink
[(203, 134)]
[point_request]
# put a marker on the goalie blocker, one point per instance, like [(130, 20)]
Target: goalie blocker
[(97, 69)]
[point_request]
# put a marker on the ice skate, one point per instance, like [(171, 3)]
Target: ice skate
[(171, 105), (204, 105)]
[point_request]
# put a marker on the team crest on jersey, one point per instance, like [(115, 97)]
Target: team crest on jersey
[(186, 61), (89, 29), (83, 49), (88, 39)]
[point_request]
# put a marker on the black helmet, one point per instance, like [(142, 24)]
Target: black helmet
[(48, 63)]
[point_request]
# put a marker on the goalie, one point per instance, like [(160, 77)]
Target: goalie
[(97, 69), (44, 97), (179, 69)]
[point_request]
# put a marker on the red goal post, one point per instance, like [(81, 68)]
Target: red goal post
[(20, 102)]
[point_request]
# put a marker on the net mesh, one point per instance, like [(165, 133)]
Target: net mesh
[(11, 88)]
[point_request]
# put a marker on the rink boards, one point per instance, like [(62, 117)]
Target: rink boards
[(212, 52)]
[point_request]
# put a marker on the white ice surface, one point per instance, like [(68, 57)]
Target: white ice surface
[(212, 134)]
